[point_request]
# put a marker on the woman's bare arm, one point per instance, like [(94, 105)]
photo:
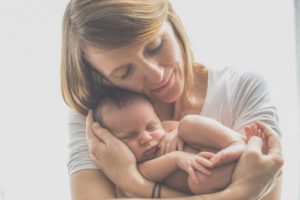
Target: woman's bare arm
[(275, 194), (91, 184)]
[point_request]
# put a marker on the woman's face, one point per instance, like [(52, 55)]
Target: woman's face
[(154, 67)]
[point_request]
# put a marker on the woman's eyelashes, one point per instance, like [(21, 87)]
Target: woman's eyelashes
[(126, 73), (156, 49)]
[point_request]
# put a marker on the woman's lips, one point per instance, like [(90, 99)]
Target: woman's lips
[(165, 86)]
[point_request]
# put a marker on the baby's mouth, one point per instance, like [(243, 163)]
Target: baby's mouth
[(152, 150)]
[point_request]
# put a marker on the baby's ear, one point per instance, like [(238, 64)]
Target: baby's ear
[(107, 82)]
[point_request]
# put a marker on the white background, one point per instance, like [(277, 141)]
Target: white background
[(255, 35)]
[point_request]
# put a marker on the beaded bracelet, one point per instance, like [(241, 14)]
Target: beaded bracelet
[(156, 190)]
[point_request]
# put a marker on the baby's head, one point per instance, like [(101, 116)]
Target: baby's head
[(131, 117)]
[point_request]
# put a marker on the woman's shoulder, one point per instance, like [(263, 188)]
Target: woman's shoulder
[(233, 72), (75, 117), (234, 77)]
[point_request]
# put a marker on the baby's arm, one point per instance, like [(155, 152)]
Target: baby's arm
[(160, 168), (205, 132)]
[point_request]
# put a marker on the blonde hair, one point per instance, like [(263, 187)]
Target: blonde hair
[(111, 24)]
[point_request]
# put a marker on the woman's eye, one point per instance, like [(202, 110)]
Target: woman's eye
[(126, 72), (157, 48)]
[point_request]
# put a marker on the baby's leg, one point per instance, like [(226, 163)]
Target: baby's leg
[(219, 180), (205, 132)]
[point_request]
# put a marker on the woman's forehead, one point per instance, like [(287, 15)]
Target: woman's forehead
[(97, 49), (114, 58)]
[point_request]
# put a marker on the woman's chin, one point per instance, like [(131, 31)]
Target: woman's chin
[(169, 98)]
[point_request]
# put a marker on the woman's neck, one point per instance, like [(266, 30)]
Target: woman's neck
[(165, 111), (193, 104)]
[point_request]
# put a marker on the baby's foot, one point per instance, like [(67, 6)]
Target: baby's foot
[(228, 155), (257, 130)]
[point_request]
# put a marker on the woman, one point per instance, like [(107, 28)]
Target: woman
[(140, 45)]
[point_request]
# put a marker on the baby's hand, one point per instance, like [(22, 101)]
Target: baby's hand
[(191, 163), (171, 142)]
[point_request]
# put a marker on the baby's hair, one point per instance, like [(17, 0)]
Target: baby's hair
[(116, 97)]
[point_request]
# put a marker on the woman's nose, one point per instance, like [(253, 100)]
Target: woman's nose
[(153, 72)]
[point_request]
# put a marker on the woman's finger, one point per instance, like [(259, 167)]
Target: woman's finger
[(273, 140), (102, 134), (89, 131)]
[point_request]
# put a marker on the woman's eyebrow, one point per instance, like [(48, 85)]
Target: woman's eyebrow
[(160, 35)]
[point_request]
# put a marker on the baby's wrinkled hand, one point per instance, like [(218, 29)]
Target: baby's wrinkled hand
[(171, 142), (192, 163)]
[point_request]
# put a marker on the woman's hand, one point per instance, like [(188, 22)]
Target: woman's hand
[(256, 174), (111, 155)]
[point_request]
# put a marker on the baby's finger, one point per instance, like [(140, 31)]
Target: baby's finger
[(206, 154), (247, 132), (259, 132), (204, 162), (173, 146), (254, 129), (162, 148), (168, 147), (191, 172), (180, 146), (201, 168)]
